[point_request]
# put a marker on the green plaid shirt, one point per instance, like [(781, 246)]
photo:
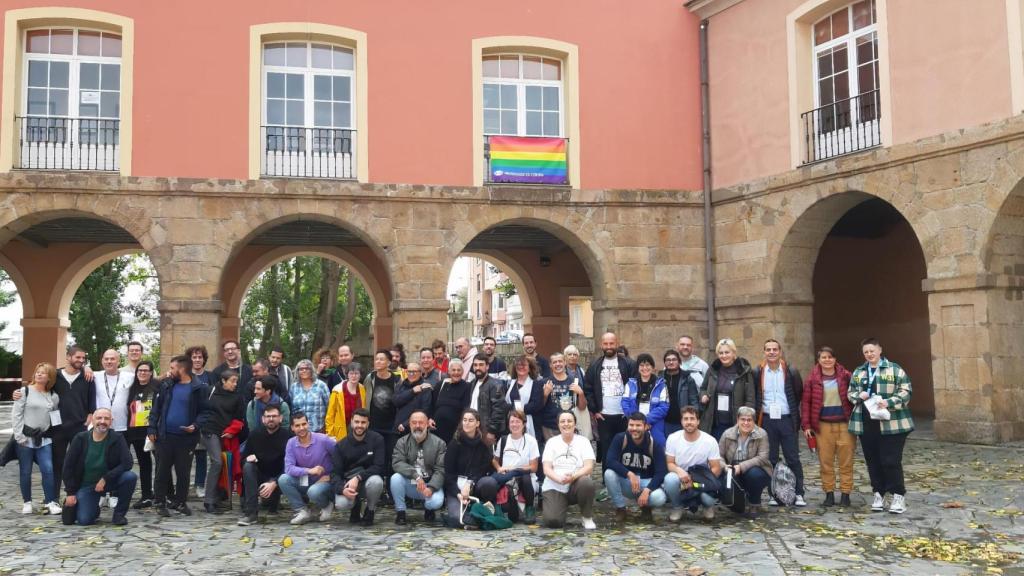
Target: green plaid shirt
[(892, 384)]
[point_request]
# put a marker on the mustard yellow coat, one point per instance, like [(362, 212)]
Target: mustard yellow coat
[(337, 420)]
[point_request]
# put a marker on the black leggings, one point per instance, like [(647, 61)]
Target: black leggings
[(145, 464)]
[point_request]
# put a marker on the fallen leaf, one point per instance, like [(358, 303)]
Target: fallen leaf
[(953, 504), (287, 542)]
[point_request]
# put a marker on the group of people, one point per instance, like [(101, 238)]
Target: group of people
[(451, 431)]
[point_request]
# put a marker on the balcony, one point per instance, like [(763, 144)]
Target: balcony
[(842, 127), (292, 152), (526, 160), (62, 143)]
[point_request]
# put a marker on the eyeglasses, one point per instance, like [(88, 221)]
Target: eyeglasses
[(143, 370), (231, 349), (413, 371)]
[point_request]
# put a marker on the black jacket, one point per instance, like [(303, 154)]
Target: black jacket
[(77, 400), (119, 459), (219, 409), (492, 406), (351, 457), (408, 401), (592, 382), (269, 450), (794, 386), (245, 380), (469, 458), (161, 405)]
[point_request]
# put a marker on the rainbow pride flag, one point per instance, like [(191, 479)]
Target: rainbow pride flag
[(528, 160)]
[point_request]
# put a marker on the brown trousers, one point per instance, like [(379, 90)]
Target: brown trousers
[(834, 439), (556, 504)]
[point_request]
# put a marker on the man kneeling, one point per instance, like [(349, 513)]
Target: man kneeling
[(636, 469), (359, 463), (98, 462), (418, 462)]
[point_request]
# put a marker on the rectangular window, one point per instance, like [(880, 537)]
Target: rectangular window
[(522, 95), (308, 111), (72, 100)]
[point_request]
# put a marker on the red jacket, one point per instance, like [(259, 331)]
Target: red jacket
[(814, 396)]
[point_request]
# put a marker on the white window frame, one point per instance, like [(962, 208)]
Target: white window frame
[(323, 161), (520, 85), (70, 153), (864, 134)]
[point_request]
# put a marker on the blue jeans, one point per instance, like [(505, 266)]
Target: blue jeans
[(674, 488), (402, 488), (43, 456), (318, 493), (88, 507), (620, 490)]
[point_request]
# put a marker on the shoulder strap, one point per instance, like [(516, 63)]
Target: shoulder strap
[(501, 446)]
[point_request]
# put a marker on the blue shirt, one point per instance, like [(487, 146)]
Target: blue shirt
[(177, 411), (775, 389)]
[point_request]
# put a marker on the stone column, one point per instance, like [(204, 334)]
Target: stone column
[(416, 323), (45, 340), (750, 320), (185, 323), (650, 327), (977, 338)]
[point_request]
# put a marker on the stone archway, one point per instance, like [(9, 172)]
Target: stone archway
[(851, 266)]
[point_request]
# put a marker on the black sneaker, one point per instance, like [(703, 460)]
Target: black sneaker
[(400, 518), (368, 518), (355, 516), (162, 511), (120, 520), (143, 503), (184, 510), (213, 509), (429, 516), (248, 520)]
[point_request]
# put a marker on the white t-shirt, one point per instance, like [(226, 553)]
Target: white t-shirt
[(566, 458), (612, 386), (112, 392), (518, 453), (687, 453)]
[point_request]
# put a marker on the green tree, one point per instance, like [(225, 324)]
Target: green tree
[(97, 310), (301, 304), (7, 294)]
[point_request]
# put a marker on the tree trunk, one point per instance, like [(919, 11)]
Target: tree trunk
[(330, 275), (272, 327), (350, 310), (295, 342)]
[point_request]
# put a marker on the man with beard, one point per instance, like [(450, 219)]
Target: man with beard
[(488, 398), (307, 472), (684, 449), (495, 365), (358, 463), (430, 372), (418, 463), (77, 403), (173, 428), (530, 351), (134, 357), (636, 469), (97, 462), (604, 383), (279, 368), (264, 464), (233, 361)]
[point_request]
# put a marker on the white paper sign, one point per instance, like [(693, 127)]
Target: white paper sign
[(775, 410), (723, 402), (90, 97), (645, 408), (55, 418)]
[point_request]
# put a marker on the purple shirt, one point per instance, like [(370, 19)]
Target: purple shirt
[(299, 458)]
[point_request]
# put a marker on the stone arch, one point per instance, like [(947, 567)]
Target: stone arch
[(519, 276), (233, 301), (28, 305), (1003, 251), (583, 244)]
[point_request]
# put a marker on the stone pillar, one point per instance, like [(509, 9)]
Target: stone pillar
[(750, 320), (185, 323), (977, 338), (651, 328), (416, 323), (45, 340), (230, 328)]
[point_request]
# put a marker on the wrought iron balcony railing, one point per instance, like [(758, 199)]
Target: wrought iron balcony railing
[(842, 127), (62, 143), (296, 152)]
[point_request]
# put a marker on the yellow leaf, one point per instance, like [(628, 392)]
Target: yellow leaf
[(287, 542)]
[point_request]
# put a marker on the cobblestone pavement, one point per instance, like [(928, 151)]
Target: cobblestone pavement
[(966, 516)]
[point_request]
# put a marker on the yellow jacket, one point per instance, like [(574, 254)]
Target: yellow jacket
[(337, 420)]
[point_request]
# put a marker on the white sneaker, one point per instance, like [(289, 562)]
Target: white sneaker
[(302, 516), (675, 515), (899, 505), (26, 508), (200, 492), (800, 501), (878, 504), (588, 524), (709, 513), (772, 501), (113, 501), (325, 514), (104, 501), (53, 508)]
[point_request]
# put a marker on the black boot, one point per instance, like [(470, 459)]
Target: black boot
[(844, 500), (354, 516), (400, 518), (830, 499), (368, 518)]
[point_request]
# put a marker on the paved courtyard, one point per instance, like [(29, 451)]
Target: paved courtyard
[(966, 516)]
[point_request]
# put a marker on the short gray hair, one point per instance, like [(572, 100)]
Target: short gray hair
[(745, 411)]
